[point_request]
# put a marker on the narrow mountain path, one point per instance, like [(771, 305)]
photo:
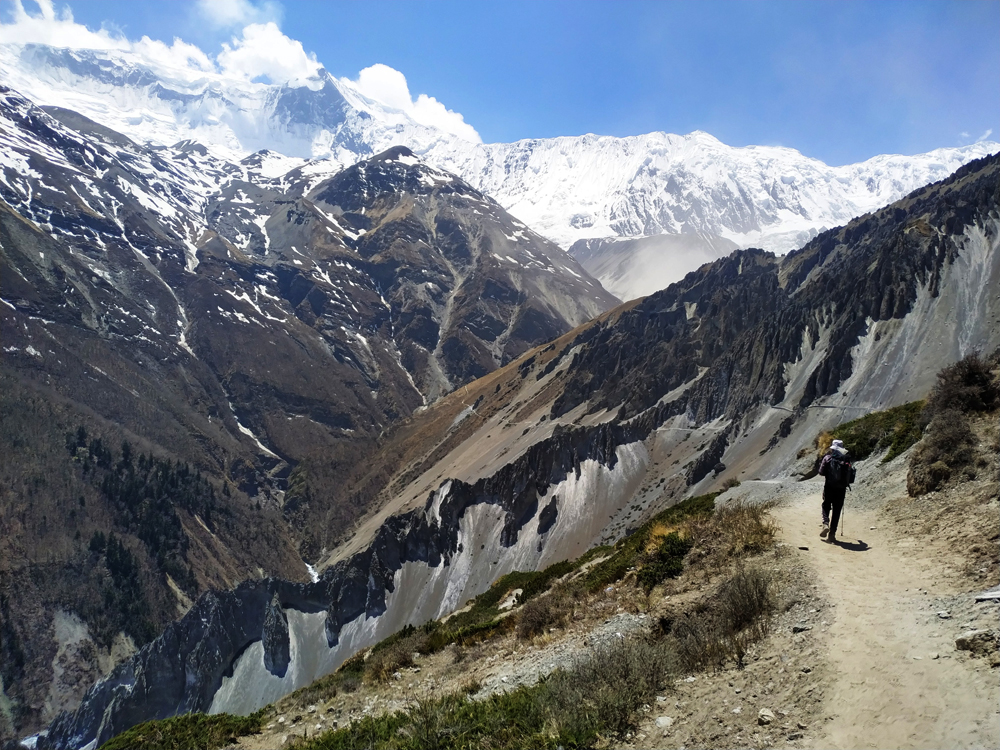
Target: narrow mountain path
[(898, 680)]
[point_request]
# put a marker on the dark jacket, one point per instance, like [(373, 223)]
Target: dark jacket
[(835, 451)]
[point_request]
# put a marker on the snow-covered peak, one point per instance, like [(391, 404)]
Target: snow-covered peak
[(566, 188)]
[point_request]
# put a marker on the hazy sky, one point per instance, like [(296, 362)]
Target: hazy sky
[(840, 81)]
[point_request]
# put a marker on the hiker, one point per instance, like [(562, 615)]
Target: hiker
[(836, 468)]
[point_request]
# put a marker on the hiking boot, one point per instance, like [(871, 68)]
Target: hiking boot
[(825, 531), (831, 539)]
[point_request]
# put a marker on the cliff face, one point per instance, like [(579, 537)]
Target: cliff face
[(726, 374)]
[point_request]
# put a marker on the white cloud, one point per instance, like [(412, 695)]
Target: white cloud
[(178, 56), (259, 51), (229, 14), (964, 135), (263, 51), (46, 26), (984, 136), (388, 86)]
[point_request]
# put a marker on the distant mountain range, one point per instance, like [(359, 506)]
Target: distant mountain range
[(568, 189)]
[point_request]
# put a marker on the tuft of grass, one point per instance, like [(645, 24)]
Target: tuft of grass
[(187, 732), (896, 429), (543, 612), (738, 617), (398, 655), (747, 528)]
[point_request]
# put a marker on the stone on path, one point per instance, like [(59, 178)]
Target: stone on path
[(765, 716)]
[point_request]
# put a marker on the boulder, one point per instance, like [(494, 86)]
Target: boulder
[(977, 642)]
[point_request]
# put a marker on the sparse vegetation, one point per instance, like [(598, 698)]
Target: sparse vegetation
[(187, 732), (738, 617), (596, 698), (948, 447), (633, 550), (896, 429)]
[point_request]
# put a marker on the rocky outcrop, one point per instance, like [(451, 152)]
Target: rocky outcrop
[(275, 639)]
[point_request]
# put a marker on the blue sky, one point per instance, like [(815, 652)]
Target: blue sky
[(840, 81)]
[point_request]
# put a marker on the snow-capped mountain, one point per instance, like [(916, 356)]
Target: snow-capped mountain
[(568, 189)]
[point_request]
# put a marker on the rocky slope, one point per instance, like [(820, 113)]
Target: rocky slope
[(723, 375), (254, 332), (569, 189)]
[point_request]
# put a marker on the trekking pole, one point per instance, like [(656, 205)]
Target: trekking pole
[(843, 514)]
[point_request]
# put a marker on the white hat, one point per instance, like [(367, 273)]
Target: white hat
[(838, 444)]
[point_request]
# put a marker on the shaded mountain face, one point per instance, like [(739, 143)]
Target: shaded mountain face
[(724, 375), (569, 189), (232, 321)]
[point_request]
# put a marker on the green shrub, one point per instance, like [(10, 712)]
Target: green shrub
[(187, 732), (966, 386), (896, 429), (738, 617), (666, 562), (628, 552)]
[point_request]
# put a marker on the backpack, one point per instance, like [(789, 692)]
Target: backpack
[(840, 472)]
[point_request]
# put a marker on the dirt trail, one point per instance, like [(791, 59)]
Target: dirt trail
[(898, 681)]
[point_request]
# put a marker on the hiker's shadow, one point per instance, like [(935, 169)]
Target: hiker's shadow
[(858, 546)]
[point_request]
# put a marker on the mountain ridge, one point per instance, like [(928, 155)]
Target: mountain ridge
[(569, 188)]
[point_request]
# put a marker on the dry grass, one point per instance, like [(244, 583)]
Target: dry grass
[(736, 530), (383, 663), (724, 628), (544, 612)]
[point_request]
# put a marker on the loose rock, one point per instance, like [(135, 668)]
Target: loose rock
[(765, 716), (977, 642)]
